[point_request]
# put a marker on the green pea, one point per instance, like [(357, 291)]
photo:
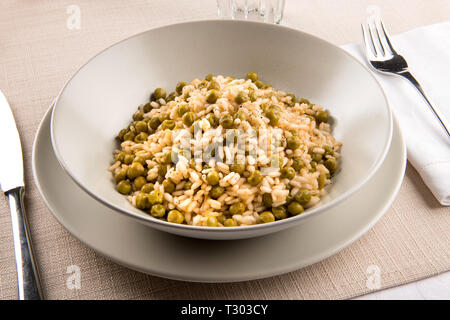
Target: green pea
[(142, 201), (154, 123), (155, 197), (230, 222), (158, 211), (216, 192), (213, 121), (168, 124), (293, 142), (189, 118), (187, 185), (303, 196), (124, 187), (212, 96), (226, 121), (273, 116), (322, 116), (210, 221), (321, 180), (209, 77), (213, 178), (292, 103), (266, 217), (159, 93), (295, 208), (313, 166), (264, 107), (141, 137), (120, 175), (135, 170), (122, 134), (328, 150), (221, 219), (182, 109), (240, 115), (180, 86), (267, 199), (288, 172), (139, 182), (237, 208), (139, 159), (175, 216), (147, 107), (171, 97), (275, 108), (289, 199), (331, 164), (129, 136), (252, 96), (298, 164), (279, 212), (303, 100), (168, 185), (253, 76), (213, 85), (147, 188), (259, 84), (162, 170), (267, 86), (315, 156), (139, 115), (241, 97), (128, 158), (238, 168), (168, 158), (255, 178), (203, 84), (119, 157)]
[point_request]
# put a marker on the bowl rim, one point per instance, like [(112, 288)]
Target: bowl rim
[(150, 220)]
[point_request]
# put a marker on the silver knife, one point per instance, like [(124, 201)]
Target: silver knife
[(12, 184)]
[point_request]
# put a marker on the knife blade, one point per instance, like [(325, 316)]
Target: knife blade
[(13, 185), (11, 166)]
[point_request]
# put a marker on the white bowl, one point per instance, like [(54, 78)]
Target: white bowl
[(101, 97)]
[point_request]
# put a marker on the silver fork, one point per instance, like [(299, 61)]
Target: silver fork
[(384, 58)]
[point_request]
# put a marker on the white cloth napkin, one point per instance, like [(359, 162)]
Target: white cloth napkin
[(427, 51)]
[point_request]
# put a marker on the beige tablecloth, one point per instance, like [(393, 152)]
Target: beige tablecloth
[(40, 49)]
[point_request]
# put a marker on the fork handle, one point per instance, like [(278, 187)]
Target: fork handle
[(27, 273), (408, 76)]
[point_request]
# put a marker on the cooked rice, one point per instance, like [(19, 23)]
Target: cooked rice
[(196, 203)]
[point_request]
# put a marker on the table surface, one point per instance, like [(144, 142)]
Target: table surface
[(39, 53), (433, 288)]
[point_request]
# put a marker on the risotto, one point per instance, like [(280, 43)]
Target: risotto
[(225, 152)]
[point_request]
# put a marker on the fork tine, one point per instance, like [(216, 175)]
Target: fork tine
[(368, 44), (375, 39), (384, 37)]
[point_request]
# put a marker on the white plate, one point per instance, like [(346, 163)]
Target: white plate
[(101, 97), (142, 248)]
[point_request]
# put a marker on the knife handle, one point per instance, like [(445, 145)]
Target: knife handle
[(27, 273)]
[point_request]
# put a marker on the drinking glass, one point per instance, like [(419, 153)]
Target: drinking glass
[(270, 11)]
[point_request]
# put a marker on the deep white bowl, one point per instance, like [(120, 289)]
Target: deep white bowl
[(101, 97)]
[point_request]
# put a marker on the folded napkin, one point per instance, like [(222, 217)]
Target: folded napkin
[(427, 51)]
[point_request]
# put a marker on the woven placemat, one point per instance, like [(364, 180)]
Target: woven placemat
[(42, 45)]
